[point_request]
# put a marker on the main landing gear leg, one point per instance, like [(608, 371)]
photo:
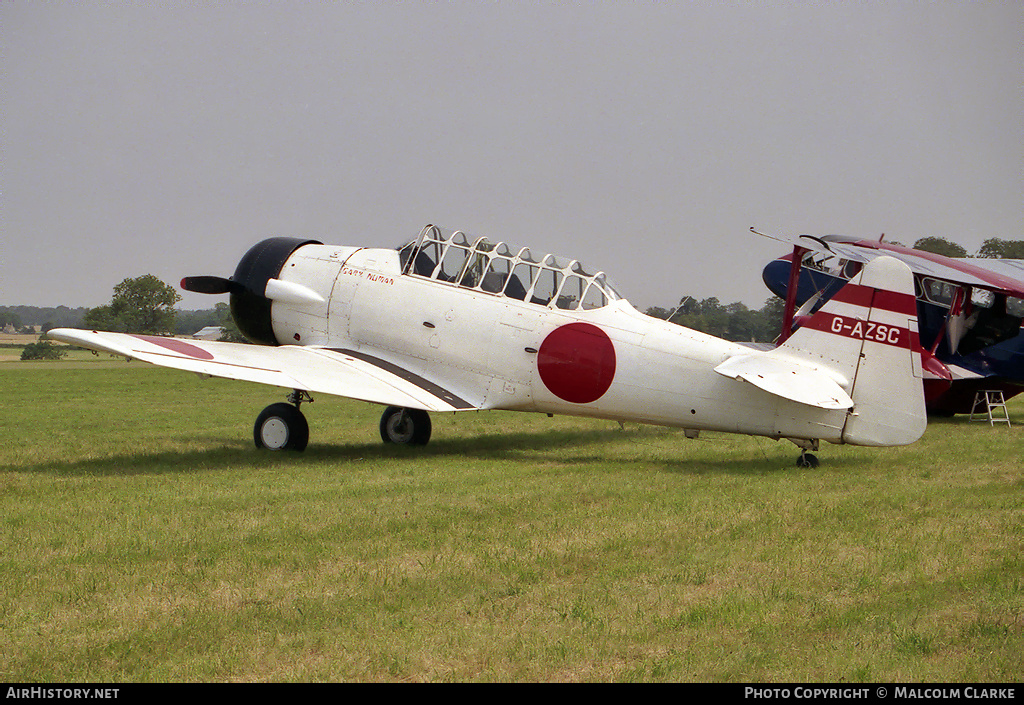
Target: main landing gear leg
[(405, 426), (282, 426)]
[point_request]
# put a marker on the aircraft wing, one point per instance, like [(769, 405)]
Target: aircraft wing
[(1002, 274), (1012, 268), (1007, 275), (347, 373)]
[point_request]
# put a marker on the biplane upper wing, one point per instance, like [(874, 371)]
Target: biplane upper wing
[(1002, 274), (1010, 268), (348, 373), (977, 272)]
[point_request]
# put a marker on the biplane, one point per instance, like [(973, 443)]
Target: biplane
[(969, 310)]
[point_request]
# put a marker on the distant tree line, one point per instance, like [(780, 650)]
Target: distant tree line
[(25, 318), (733, 321), (22, 317)]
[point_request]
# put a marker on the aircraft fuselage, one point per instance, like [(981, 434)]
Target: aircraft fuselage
[(502, 353)]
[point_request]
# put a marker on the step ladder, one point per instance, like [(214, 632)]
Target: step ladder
[(989, 399)]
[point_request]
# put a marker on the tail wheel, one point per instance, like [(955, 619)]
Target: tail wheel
[(281, 427), (405, 426), (806, 460)]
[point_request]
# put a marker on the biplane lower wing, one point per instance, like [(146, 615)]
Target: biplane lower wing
[(337, 371)]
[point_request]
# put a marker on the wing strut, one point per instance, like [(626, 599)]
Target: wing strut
[(794, 280)]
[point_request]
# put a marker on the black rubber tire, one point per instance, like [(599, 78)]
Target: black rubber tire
[(807, 461), (405, 426), (281, 427)]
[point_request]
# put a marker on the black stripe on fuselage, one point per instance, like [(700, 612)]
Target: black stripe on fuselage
[(411, 377)]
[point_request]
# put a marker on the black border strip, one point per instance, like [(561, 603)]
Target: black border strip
[(411, 377)]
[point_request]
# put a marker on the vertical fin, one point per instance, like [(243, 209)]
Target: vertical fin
[(866, 335)]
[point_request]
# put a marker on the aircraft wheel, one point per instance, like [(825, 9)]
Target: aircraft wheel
[(405, 426), (281, 427), (807, 461)]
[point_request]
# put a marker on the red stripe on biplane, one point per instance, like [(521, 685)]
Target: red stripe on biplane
[(859, 295)]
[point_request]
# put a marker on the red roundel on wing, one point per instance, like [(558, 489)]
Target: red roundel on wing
[(577, 362), (177, 345)]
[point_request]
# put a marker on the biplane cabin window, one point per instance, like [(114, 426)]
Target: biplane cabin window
[(989, 317), (821, 261), (983, 298), (493, 268), (995, 317), (938, 291)]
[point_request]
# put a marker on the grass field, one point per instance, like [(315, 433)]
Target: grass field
[(145, 539)]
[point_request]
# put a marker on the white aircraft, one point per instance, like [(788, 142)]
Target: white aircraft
[(448, 323)]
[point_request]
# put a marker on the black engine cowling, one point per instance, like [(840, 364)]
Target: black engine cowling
[(249, 307)]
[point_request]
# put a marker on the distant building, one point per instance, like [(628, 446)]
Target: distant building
[(209, 333)]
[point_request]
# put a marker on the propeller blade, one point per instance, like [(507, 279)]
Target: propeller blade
[(809, 304), (210, 285)]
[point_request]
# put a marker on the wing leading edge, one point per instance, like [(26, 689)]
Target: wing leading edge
[(340, 372)]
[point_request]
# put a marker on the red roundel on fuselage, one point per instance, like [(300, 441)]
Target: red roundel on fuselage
[(577, 362)]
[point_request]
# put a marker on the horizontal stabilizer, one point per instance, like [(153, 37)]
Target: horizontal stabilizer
[(787, 379)]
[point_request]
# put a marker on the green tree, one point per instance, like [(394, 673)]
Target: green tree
[(140, 305), (43, 350), (227, 322), (733, 321), (771, 318), (743, 323), (1002, 249), (940, 246), (9, 319)]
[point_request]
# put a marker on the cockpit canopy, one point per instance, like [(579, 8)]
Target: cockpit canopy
[(452, 257)]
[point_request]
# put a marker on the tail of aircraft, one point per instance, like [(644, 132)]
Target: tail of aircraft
[(867, 336)]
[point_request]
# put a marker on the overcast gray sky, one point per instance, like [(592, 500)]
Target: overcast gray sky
[(643, 138)]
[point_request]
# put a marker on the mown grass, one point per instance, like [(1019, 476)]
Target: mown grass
[(144, 539)]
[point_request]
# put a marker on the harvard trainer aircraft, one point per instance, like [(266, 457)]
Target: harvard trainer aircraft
[(450, 323), (969, 310)]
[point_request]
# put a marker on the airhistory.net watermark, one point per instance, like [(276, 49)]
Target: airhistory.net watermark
[(45, 693)]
